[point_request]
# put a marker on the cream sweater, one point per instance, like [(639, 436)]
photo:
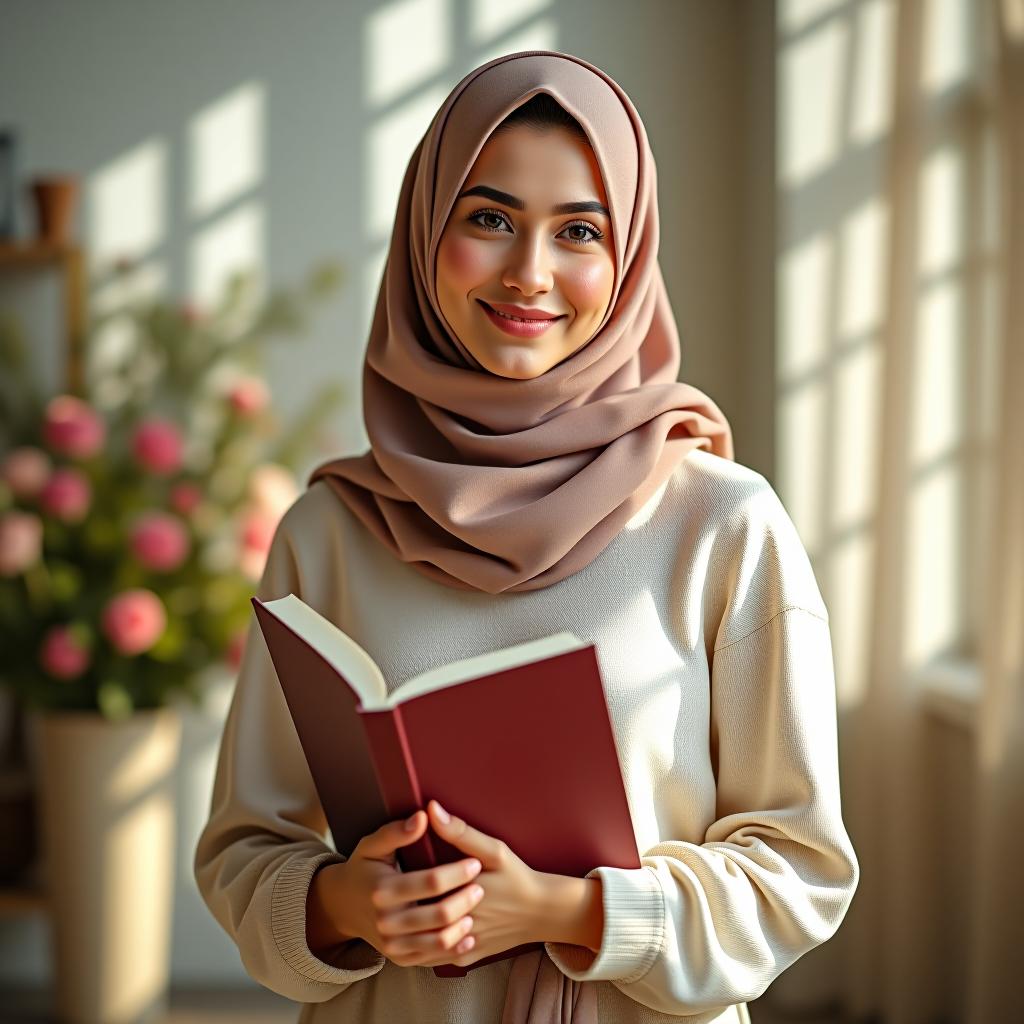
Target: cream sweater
[(716, 656)]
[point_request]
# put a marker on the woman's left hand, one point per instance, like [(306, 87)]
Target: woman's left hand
[(510, 912)]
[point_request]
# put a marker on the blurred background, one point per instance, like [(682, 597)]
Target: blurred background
[(195, 204)]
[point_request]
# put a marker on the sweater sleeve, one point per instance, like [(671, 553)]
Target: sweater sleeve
[(267, 833), (699, 927)]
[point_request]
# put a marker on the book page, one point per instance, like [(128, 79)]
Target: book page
[(350, 661), (483, 664)]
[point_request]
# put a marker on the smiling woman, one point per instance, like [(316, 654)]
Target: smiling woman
[(526, 478), (525, 284)]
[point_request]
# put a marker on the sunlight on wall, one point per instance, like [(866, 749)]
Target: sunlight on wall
[(128, 203), (871, 71), (236, 240), (812, 71), (488, 19), (405, 44), (794, 15), (226, 165), (416, 52), (947, 35), (127, 214), (835, 174), (226, 148)]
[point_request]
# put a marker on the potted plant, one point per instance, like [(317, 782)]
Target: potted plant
[(135, 519)]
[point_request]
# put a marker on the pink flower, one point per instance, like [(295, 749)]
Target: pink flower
[(159, 541), (25, 470), (185, 496), (63, 653), (249, 395), (255, 533), (21, 541), (71, 427), (272, 489), (67, 494), (134, 620), (158, 446)]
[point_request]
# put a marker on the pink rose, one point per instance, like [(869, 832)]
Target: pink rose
[(63, 653), (159, 541), (25, 470), (158, 446), (134, 620), (249, 395), (67, 494), (185, 497), (71, 427), (272, 489), (255, 533), (21, 541)]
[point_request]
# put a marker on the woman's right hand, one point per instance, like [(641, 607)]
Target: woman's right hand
[(370, 898)]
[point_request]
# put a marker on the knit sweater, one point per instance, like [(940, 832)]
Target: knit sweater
[(716, 658)]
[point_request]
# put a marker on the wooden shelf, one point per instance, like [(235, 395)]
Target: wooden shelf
[(22, 900), (66, 257), (34, 253)]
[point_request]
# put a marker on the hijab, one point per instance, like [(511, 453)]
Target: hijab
[(493, 484)]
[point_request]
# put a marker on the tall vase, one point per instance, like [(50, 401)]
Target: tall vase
[(107, 817)]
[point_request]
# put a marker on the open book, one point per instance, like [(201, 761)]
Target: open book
[(516, 741)]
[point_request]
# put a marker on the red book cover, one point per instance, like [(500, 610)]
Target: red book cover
[(518, 742)]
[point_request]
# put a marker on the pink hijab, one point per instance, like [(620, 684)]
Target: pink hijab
[(493, 484), (489, 483)]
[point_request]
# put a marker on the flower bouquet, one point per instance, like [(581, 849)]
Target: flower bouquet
[(135, 518)]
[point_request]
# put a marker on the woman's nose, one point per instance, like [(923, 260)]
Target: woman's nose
[(530, 266)]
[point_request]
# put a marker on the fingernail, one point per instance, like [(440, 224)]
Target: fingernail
[(442, 813), (410, 823)]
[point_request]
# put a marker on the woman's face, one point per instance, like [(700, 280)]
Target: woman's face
[(507, 246)]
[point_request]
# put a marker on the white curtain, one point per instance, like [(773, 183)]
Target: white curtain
[(997, 923), (901, 456)]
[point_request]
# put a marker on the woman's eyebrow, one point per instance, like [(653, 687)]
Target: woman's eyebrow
[(589, 206)]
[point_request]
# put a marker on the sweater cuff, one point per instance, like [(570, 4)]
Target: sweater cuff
[(355, 960), (634, 929)]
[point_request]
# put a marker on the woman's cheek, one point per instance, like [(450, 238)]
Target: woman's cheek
[(464, 260), (591, 287)]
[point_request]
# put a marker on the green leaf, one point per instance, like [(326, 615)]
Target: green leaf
[(114, 700)]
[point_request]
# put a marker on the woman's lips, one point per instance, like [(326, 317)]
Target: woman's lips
[(518, 328)]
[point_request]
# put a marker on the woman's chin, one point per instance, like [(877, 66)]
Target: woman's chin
[(515, 364)]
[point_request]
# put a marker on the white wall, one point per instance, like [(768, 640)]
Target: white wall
[(305, 114)]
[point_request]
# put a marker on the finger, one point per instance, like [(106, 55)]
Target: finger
[(460, 833), (391, 835), (428, 945), (410, 886), (436, 915)]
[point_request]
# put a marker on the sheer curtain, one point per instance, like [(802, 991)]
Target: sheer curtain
[(997, 923), (900, 454)]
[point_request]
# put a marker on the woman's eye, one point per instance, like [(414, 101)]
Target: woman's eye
[(481, 217), (595, 235), (477, 219)]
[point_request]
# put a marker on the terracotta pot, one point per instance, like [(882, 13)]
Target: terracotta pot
[(56, 199), (107, 816)]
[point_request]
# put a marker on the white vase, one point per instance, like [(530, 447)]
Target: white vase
[(107, 832)]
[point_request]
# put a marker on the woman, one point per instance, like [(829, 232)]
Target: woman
[(526, 478)]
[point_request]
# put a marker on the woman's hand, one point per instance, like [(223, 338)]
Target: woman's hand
[(510, 913), (368, 897)]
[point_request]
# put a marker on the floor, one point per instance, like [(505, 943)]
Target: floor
[(258, 1006)]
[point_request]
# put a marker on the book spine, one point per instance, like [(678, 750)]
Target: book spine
[(399, 785)]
